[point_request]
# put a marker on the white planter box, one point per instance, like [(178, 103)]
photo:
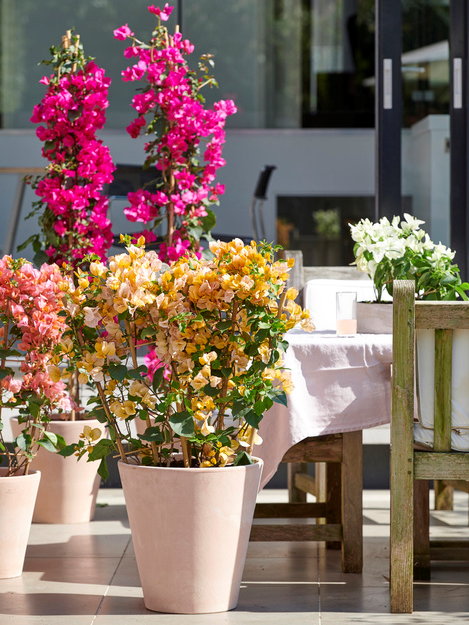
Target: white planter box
[(423, 429)]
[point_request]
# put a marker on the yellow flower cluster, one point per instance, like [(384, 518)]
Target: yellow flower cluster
[(216, 327)]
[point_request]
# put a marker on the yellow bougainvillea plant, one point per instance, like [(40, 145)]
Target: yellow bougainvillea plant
[(217, 326)]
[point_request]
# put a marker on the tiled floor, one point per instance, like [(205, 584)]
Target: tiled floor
[(86, 575)]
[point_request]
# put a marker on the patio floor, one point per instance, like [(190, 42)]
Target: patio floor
[(86, 575)]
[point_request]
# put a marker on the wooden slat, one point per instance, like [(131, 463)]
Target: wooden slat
[(458, 484), (289, 510), (295, 494), (431, 465), (444, 315), (451, 550), (305, 483), (317, 449), (401, 469), (442, 392), (295, 532), (22, 170)]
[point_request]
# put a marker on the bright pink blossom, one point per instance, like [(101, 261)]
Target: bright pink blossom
[(71, 112), (164, 13), (123, 32)]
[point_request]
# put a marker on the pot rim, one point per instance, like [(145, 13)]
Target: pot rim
[(32, 473), (257, 462)]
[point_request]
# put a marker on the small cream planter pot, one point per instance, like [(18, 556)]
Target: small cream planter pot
[(17, 497), (190, 531), (374, 318), (69, 487)]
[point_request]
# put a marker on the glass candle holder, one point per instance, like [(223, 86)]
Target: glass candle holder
[(346, 312)]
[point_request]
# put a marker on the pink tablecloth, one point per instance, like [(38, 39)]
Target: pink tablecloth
[(341, 384)]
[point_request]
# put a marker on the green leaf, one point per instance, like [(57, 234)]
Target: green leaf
[(23, 441), (136, 374), (253, 419), (28, 241), (118, 372), (47, 444), (102, 449), (152, 435), (6, 372), (6, 353), (103, 471), (34, 407), (209, 221), (53, 438), (68, 450), (281, 399), (40, 257), (157, 379), (243, 459), (182, 423)]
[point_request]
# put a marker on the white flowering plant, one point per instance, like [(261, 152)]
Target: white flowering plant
[(401, 250)]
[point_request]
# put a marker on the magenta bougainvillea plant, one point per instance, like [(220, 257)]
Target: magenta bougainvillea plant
[(188, 137), (73, 208)]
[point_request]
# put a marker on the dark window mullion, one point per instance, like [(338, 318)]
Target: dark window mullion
[(388, 124), (459, 140)]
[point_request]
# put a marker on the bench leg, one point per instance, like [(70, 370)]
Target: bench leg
[(352, 504), (421, 530), (295, 495), (443, 495)]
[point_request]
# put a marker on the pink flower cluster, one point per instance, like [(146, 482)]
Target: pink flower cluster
[(188, 152), (72, 111), (30, 303)]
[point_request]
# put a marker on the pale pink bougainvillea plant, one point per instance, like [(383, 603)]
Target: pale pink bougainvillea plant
[(74, 220), (188, 142), (31, 329)]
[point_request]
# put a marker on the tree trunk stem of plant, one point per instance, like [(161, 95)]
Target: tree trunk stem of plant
[(186, 454)]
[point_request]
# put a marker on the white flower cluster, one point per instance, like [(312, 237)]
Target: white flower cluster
[(391, 240)]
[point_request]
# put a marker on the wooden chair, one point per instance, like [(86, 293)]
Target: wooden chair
[(339, 507), (412, 467)]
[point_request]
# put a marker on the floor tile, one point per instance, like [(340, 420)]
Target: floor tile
[(86, 574)]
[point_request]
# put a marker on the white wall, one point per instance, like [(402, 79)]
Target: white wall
[(309, 162), (426, 174)]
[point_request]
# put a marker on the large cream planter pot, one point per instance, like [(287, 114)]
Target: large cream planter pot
[(69, 487), (17, 497), (190, 531), (374, 318)]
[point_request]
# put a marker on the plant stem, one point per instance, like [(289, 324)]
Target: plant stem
[(224, 387), (133, 354), (109, 415)]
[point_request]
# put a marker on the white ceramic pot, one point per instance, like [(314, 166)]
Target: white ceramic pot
[(190, 531), (69, 487), (17, 497), (423, 428), (374, 318)]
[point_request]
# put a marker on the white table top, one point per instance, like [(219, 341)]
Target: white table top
[(341, 384)]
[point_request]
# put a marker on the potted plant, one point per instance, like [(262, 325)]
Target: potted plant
[(74, 223), (401, 250), (189, 481), (31, 328)]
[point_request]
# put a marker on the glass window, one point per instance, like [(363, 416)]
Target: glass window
[(287, 63)]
